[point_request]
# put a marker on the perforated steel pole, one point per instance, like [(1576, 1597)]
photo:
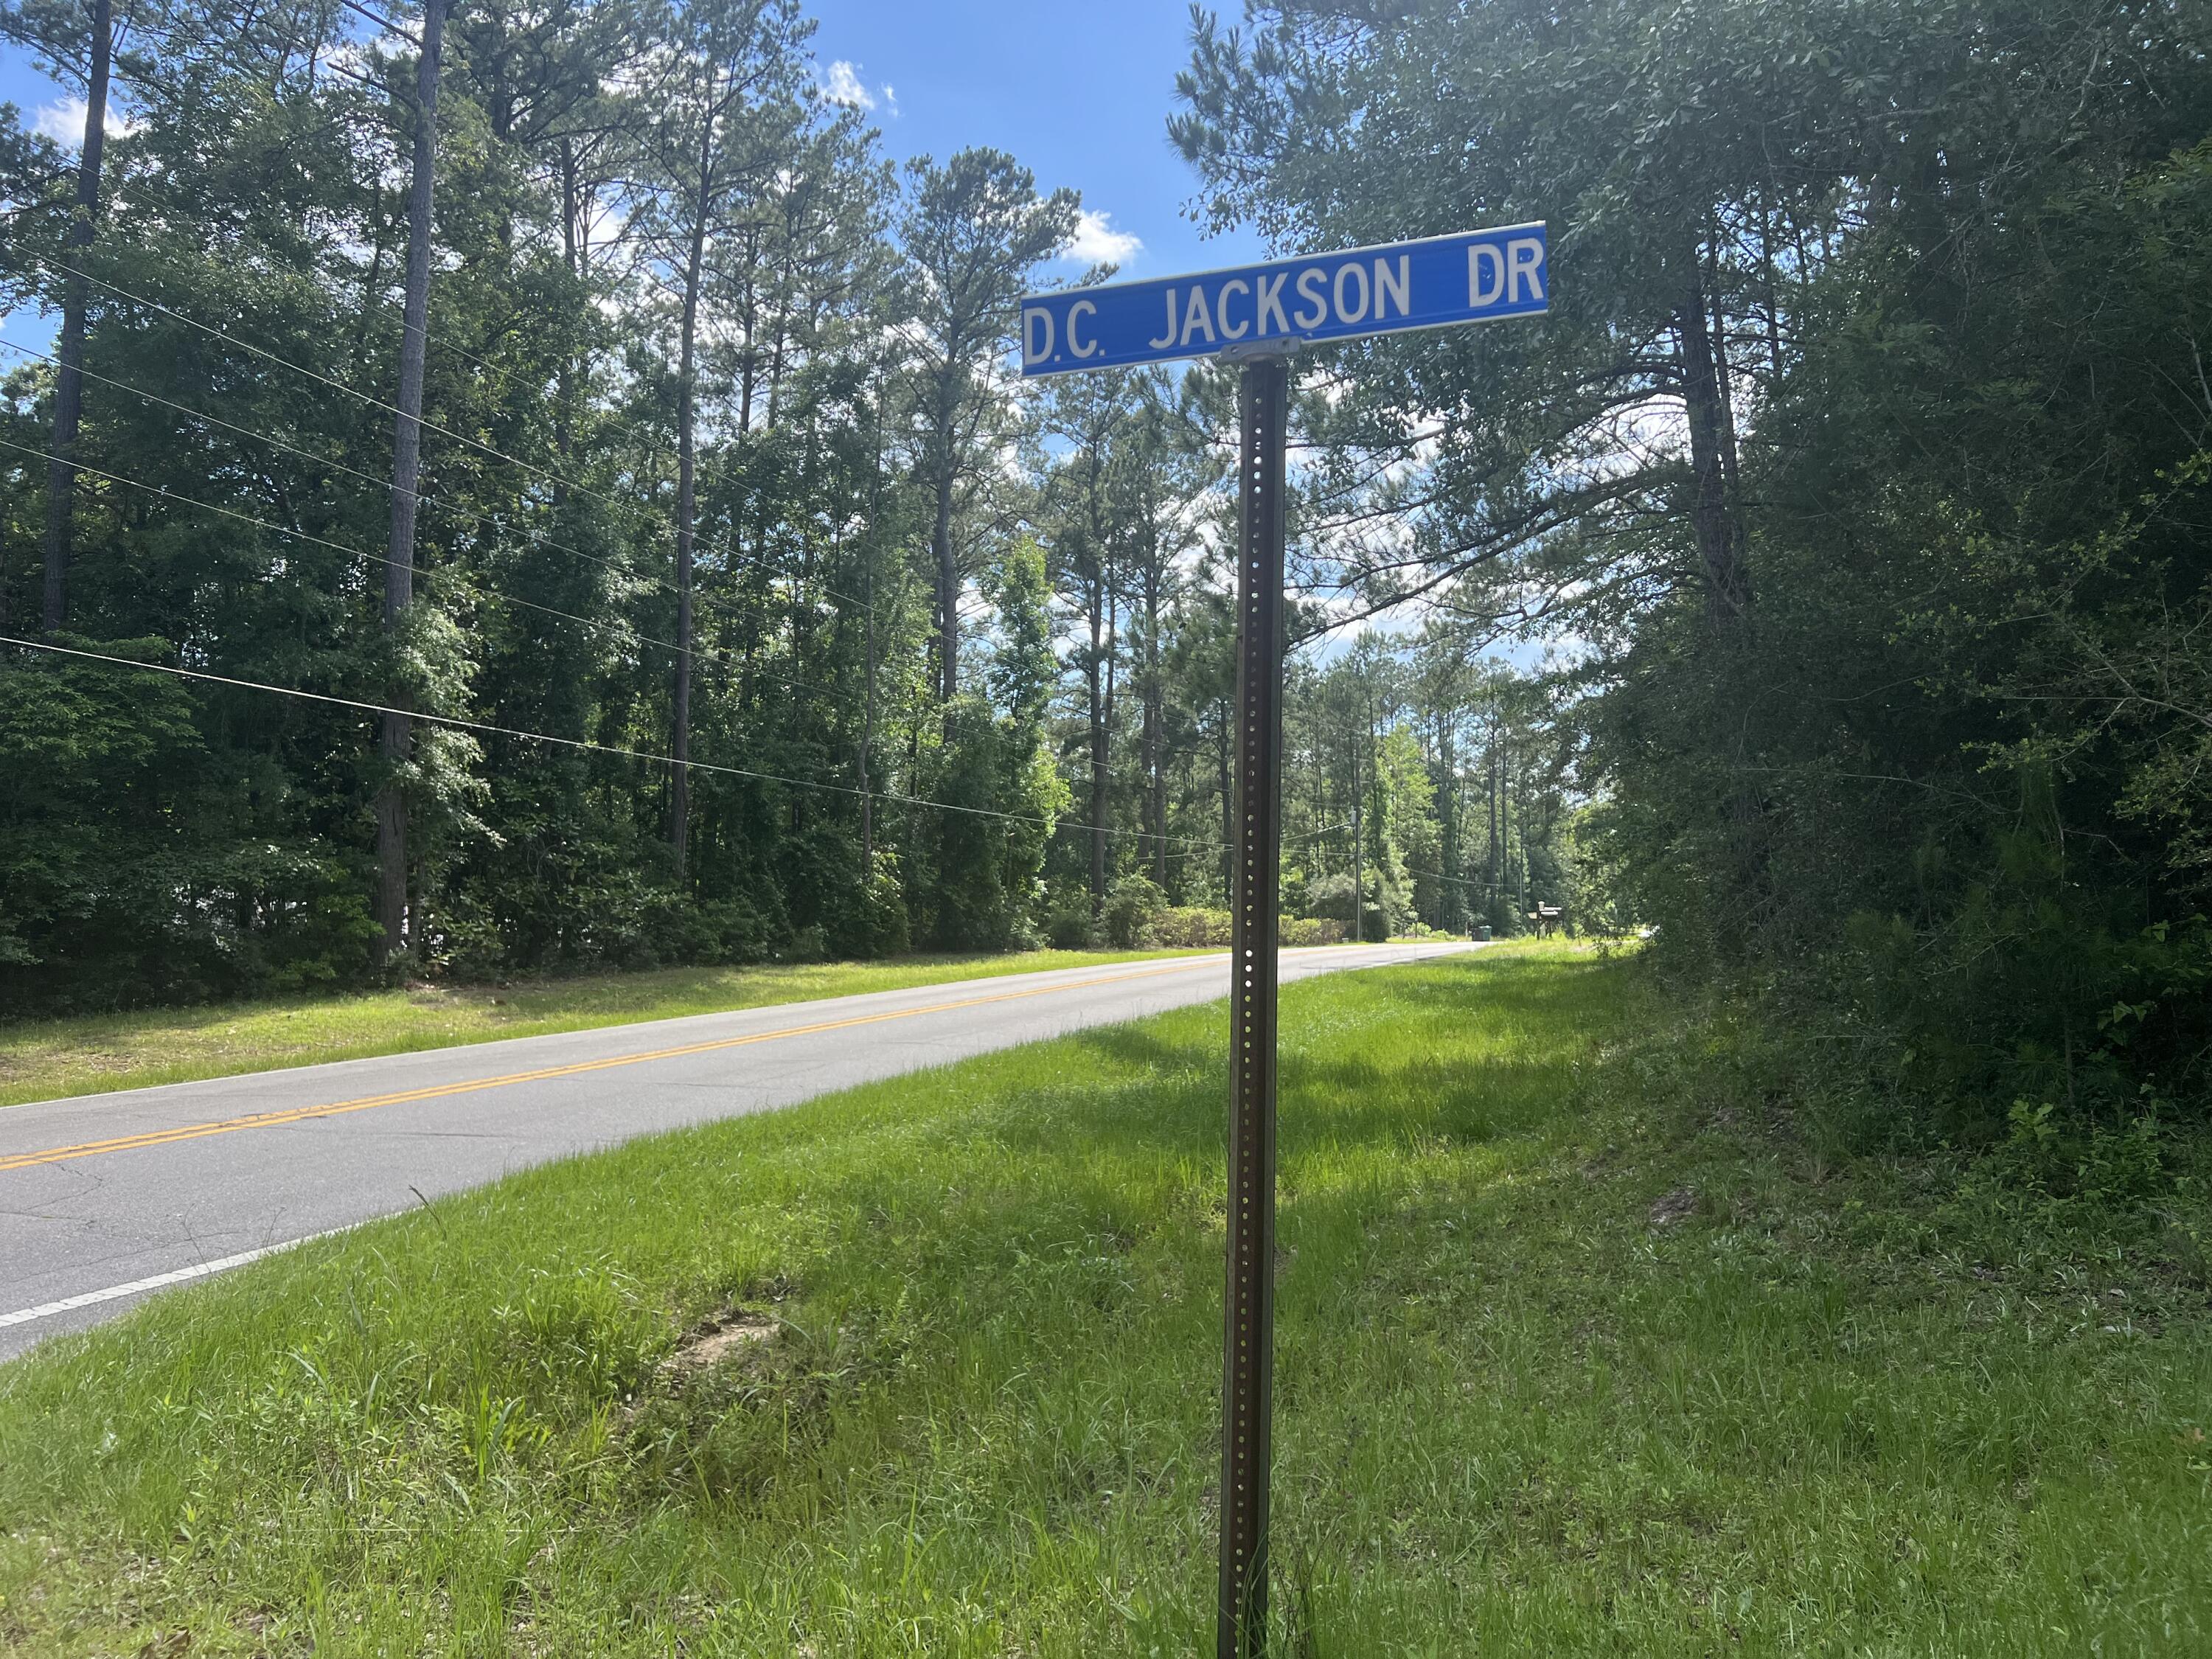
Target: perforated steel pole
[(1247, 1367)]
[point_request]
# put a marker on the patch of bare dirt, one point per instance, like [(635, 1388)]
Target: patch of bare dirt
[(724, 1337), (1677, 1205)]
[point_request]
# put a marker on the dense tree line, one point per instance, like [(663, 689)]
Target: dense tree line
[(717, 462), (1854, 493), (1865, 457)]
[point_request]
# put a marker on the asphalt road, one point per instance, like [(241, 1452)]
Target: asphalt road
[(106, 1198)]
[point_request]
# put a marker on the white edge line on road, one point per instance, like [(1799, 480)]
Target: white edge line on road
[(158, 1281), (161, 1281)]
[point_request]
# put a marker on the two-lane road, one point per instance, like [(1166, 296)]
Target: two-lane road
[(105, 1199)]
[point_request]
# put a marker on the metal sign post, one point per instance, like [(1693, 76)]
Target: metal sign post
[(1258, 315), (1248, 1296)]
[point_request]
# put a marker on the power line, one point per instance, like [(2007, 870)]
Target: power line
[(243, 431), (1048, 826), (379, 19), (169, 494), (644, 435), (714, 601), (374, 401)]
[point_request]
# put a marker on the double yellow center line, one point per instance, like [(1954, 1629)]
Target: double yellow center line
[(302, 1113)]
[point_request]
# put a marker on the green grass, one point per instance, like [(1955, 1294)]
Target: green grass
[(1829, 1409), (49, 1059)]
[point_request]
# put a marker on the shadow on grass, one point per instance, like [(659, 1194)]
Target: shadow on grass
[(1409, 1053)]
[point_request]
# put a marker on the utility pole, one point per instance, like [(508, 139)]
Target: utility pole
[(69, 353), (406, 475), (868, 720), (1249, 1301)]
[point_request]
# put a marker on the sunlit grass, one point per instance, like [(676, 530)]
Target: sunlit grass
[(969, 1407), (47, 1060)]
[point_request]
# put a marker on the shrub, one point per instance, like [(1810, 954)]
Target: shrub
[(1132, 905), (863, 921), (1190, 927), (1071, 928)]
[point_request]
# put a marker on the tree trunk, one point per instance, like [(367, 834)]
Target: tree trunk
[(69, 378), (679, 740), (868, 591), (406, 476), (1448, 891), (1731, 475), (1728, 584), (1358, 855), (1492, 871), (948, 582), (868, 743), (1156, 772), (1095, 675)]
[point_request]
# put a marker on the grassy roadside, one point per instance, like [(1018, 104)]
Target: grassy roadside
[(48, 1060), (1588, 1346)]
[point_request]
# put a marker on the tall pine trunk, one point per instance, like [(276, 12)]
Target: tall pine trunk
[(1727, 582), (1359, 854), (69, 379), (406, 475), (948, 581), (1096, 677), (679, 740), (1449, 905), (1492, 863), (1156, 772), (868, 592)]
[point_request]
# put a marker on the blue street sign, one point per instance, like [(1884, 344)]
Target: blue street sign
[(1467, 278)]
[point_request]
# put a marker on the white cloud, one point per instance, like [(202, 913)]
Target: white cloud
[(841, 84), (62, 121), (1098, 243)]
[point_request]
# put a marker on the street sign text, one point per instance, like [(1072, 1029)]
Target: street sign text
[(1443, 280)]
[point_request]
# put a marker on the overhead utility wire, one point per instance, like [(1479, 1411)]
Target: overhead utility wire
[(379, 19), (1050, 826), (643, 434), (722, 659), (715, 601), (636, 429), (374, 402)]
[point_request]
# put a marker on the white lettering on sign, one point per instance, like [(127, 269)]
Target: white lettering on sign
[(1081, 308), (1334, 296), (1167, 340), (1030, 350), (1234, 285), (1388, 287), (1486, 275), (1344, 312), (1527, 256), (1271, 300), (1196, 317)]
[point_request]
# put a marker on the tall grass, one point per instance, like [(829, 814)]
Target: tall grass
[(1577, 1357)]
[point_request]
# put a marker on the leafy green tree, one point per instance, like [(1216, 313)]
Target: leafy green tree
[(972, 232), (1822, 335)]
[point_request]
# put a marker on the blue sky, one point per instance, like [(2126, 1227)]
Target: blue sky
[(1080, 94)]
